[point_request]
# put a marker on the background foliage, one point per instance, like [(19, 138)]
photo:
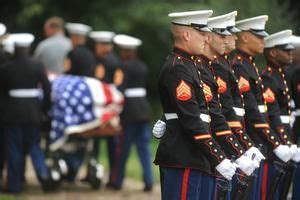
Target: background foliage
[(142, 18)]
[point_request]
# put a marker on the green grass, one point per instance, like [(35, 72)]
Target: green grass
[(133, 167)]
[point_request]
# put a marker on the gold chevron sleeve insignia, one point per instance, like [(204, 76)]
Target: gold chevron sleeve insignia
[(183, 91), (222, 86), (207, 92), (269, 96), (244, 85)]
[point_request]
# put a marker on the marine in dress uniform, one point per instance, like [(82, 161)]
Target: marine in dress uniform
[(3, 59), (295, 91), (228, 94), (22, 80), (290, 69), (108, 69), (187, 152), (135, 116), (80, 60), (278, 53), (250, 43)]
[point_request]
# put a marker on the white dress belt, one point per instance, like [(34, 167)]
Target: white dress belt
[(135, 92), (239, 111), (285, 119), (204, 117), (261, 108), (25, 93)]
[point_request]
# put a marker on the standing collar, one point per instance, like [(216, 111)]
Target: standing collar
[(184, 54), (271, 66), (245, 55), (204, 59)]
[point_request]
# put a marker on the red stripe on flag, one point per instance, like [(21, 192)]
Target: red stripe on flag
[(107, 93), (185, 182)]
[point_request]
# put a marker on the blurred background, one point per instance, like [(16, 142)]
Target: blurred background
[(146, 20)]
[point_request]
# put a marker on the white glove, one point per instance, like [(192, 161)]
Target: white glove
[(295, 153), (246, 165), (254, 154), (159, 129), (227, 169), (283, 152)]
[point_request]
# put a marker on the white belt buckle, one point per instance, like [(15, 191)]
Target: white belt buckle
[(205, 117), (239, 111), (170, 116), (261, 108), (285, 119)]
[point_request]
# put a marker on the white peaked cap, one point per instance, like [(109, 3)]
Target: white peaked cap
[(2, 29), (78, 29), (197, 19), (22, 39), (278, 39), (102, 36), (218, 24), (232, 16), (255, 24), (231, 23), (295, 40), (126, 41)]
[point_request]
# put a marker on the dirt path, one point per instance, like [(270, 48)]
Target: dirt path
[(132, 190)]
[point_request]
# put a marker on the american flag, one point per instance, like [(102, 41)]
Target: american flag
[(81, 104)]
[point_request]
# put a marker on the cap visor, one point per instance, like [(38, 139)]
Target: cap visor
[(288, 47), (260, 33), (234, 30), (204, 29)]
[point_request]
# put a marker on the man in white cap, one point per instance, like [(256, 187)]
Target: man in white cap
[(295, 94), (250, 43), (278, 53), (136, 114), (108, 64), (108, 69), (23, 80), (218, 79), (53, 50), (80, 60), (187, 151)]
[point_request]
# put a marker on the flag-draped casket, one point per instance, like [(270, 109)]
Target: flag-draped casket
[(82, 104)]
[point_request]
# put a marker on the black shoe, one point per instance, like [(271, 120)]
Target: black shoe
[(112, 186), (148, 188)]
